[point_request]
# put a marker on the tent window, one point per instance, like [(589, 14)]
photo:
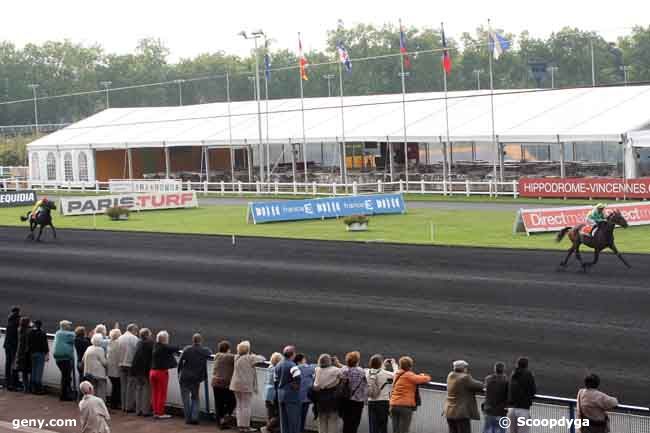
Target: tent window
[(36, 167), (67, 167), (82, 162), (51, 166)]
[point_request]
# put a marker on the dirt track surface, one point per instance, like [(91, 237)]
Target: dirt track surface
[(434, 303)]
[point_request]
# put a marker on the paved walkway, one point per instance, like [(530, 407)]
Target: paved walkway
[(17, 407)]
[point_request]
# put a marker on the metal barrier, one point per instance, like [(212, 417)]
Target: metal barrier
[(427, 419), (447, 188)]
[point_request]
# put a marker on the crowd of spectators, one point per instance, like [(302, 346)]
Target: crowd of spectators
[(130, 372)]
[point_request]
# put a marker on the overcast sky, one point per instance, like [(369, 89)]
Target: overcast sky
[(191, 27)]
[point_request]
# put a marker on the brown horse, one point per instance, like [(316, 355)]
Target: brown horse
[(604, 238)]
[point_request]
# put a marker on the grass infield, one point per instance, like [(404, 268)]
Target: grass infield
[(478, 228)]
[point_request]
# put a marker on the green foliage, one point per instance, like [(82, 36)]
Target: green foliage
[(116, 212), (358, 219), (66, 67)]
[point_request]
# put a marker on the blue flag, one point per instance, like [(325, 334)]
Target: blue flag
[(344, 56), (267, 66)]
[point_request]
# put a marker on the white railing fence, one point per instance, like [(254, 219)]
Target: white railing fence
[(427, 419), (447, 188)]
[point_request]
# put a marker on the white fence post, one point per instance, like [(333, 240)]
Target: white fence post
[(314, 188), (333, 188), (354, 188), (467, 193), (239, 186), (97, 186), (444, 186), (515, 189), (401, 186), (277, 187), (422, 189)]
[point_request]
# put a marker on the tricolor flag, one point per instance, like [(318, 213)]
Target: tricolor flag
[(446, 58), (402, 46), (302, 60), (267, 62), (497, 44), (344, 56)]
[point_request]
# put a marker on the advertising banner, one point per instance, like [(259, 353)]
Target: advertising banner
[(331, 207), (555, 219), (585, 188), (117, 186), (17, 198), (133, 201)]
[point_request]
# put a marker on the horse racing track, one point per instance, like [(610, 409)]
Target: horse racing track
[(437, 304)]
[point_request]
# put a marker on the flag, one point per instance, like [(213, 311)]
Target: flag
[(446, 58), (267, 66), (344, 56), (402, 46), (302, 61), (497, 44)]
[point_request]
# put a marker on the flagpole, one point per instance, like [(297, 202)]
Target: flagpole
[(302, 113), (494, 137), (268, 145), (445, 168), (406, 157), (344, 173)]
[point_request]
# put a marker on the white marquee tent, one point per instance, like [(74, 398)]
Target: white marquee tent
[(526, 116)]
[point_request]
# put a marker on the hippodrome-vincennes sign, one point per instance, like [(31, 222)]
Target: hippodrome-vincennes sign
[(17, 198), (555, 219), (585, 188), (135, 201)]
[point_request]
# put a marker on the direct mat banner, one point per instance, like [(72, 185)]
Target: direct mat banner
[(555, 219), (331, 207), (17, 198), (585, 188), (134, 201)]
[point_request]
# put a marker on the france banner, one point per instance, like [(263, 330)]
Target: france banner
[(331, 207)]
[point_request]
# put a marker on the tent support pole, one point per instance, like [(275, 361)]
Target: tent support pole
[(390, 158), (129, 156), (206, 155), (293, 162), (167, 162), (562, 167)]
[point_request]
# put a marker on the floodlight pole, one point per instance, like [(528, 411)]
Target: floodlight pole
[(180, 91), (34, 87), (106, 85)]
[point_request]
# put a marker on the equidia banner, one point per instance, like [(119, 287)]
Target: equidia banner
[(331, 207), (134, 201), (17, 198), (585, 188), (555, 219)]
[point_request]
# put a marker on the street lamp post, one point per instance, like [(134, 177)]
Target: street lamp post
[(553, 70), (329, 78), (180, 90), (477, 72), (255, 36), (106, 85), (34, 87)]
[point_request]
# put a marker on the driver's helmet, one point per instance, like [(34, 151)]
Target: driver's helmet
[(601, 206)]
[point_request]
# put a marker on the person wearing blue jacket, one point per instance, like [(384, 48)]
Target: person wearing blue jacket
[(307, 374), (287, 382), (63, 354)]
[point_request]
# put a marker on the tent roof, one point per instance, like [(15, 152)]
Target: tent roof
[(523, 116)]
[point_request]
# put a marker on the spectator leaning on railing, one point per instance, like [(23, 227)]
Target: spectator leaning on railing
[(23, 362), (403, 399), (192, 370), (93, 413), (244, 384), (11, 346), (379, 380), (287, 382), (126, 349), (94, 366), (63, 352), (39, 352), (593, 405), (271, 396), (224, 398), (163, 360), (354, 392), (140, 367), (113, 368), (521, 391), (460, 406), (326, 380), (496, 399)]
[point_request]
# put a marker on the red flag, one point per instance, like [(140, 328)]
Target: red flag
[(302, 61), (446, 57), (402, 46)]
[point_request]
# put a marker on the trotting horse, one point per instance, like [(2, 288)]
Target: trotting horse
[(43, 220), (604, 238)]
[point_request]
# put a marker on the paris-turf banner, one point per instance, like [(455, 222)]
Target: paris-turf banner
[(554, 219), (331, 207), (585, 188), (133, 201)]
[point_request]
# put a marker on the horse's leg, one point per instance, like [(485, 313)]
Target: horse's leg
[(596, 255), (619, 255), (578, 256), (564, 262), (40, 232), (53, 230)]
